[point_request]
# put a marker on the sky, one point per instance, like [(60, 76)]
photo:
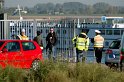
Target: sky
[(31, 3)]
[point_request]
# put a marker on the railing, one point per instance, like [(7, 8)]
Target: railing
[(63, 28)]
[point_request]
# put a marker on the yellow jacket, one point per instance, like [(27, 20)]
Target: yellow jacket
[(81, 43), (23, 37)]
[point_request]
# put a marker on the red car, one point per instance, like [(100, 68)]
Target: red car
[(20, 54)]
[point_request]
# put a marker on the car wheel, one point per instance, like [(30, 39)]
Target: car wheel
[(113, 66), (35, 65)]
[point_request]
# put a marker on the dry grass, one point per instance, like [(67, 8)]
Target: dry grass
[(62, 72)]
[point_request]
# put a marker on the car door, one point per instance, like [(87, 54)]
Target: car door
[(28, 52), (3, 55), (14, 54), (3, 59)]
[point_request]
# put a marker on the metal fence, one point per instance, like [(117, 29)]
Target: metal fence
[(64, 29)]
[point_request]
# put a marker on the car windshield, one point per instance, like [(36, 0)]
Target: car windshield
[(115, 45), (1, 43)]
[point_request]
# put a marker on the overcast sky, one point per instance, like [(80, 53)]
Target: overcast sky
[(31, 3)]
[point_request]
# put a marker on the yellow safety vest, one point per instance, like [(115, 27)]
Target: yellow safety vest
[(81, 43), (85, 42), (23, 37), (98, 41)]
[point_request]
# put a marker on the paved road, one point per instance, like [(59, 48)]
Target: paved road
[(89, 58)]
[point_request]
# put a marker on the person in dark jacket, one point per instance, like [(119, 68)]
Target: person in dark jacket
[(38, 39), (51, 40)]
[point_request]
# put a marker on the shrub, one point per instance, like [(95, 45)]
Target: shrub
[(51, 71)]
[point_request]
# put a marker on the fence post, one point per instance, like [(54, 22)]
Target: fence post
[(74, 48)]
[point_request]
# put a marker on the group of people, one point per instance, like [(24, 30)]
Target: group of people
[(51, 40), (81, 42)]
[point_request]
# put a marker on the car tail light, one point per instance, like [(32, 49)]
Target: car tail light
[(121, 55), (108, 52)]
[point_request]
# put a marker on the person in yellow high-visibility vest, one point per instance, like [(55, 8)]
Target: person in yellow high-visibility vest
[(22, 35), (98, 46), (82, 44)]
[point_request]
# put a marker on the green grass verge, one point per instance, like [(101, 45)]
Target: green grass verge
[(51, 71)]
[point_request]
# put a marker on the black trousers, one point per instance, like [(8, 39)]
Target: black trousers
[(51, 53), (98, 54), (49, 46), (79, 54)]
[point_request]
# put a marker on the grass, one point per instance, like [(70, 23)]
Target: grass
[(51, 71)]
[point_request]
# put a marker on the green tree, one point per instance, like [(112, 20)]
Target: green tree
[(101, 8)]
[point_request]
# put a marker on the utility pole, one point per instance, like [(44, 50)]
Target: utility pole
[(21, 18), (20, 10)]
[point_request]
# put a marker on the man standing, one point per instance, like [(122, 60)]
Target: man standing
[(82, 44), (38, 39), (22, 35), (51, 40), (98, 46)]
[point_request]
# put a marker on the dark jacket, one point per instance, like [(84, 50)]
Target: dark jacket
[(38, 39), (52, 40)]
